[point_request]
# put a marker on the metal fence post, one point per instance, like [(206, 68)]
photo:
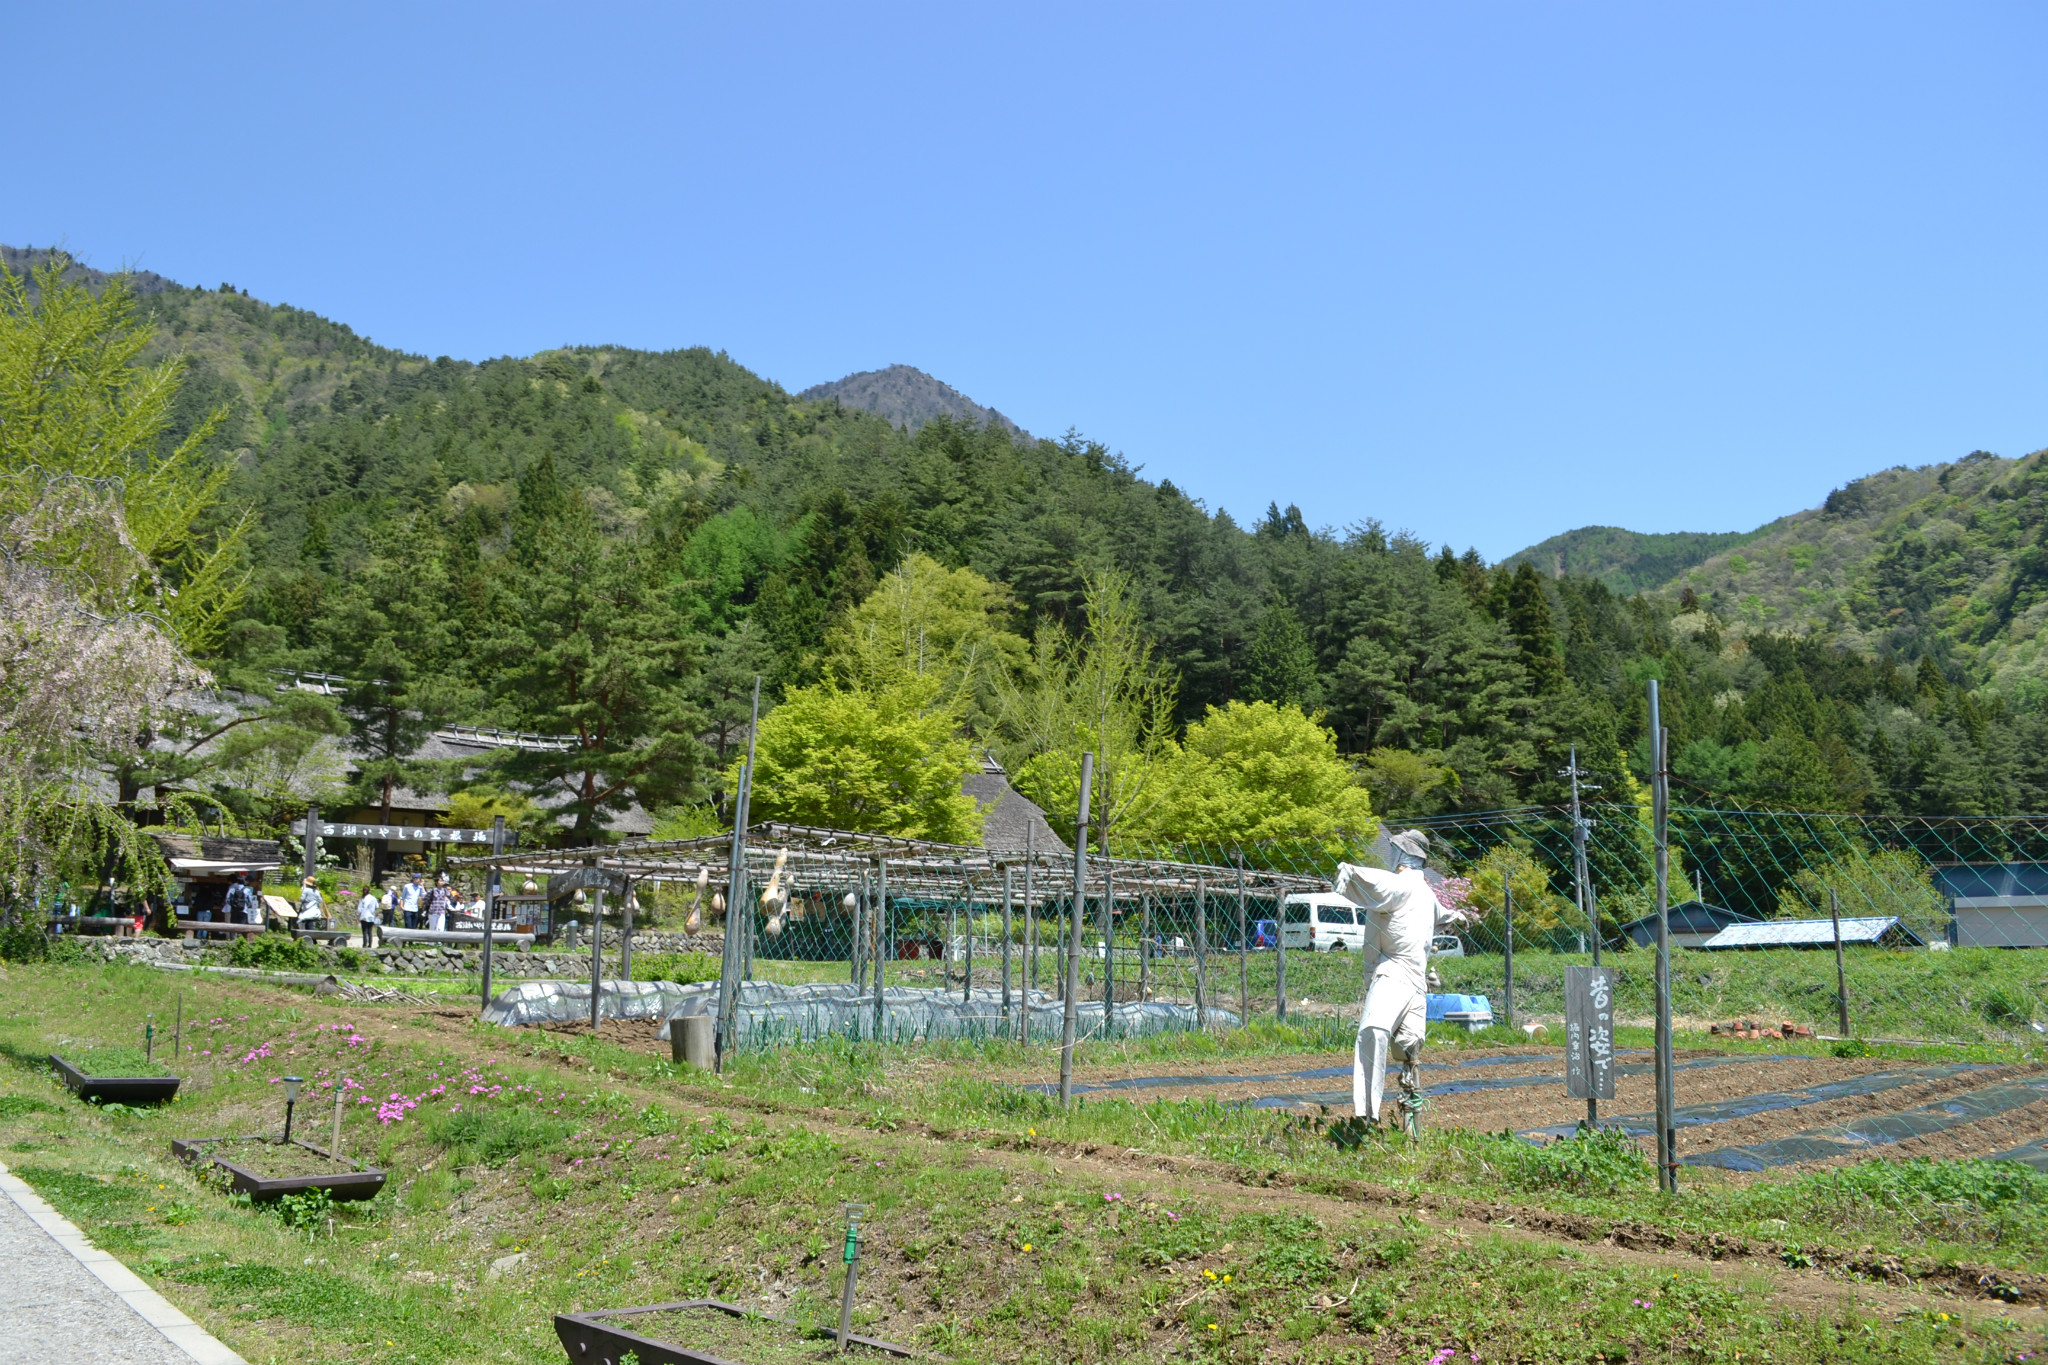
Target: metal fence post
[(1145, 945), (732, 964), (1073, 972), (1841, 972), (1279, 950), (626, 934), (596, 954), (1508, 902), (1006, 948), (1108, 943), (1244, 957), (1030, 930), (494, 886), (1667, 1134), (1201, 953), (881, 918)]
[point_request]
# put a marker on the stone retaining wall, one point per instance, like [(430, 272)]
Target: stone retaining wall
[(421, 959)]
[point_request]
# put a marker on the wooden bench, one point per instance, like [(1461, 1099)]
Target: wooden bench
[(189, 927), (472, 938), (118, 927), (323, 935)]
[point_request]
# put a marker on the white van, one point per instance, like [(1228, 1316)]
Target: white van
[(1325, 923)]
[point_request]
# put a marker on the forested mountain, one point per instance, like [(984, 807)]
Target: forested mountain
[(612, 542), (907, 397), (1628, 561)]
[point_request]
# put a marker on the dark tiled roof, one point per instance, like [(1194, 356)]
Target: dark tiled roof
[(1009, 816), (215, 848)]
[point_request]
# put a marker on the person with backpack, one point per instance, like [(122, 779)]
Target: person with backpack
[(241, 901)]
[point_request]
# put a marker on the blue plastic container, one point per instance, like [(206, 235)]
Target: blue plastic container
[(1470, 1012)]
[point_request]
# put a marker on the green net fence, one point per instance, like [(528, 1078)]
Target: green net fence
[(1937, 919)]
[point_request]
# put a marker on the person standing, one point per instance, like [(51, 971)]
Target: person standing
[(312, 908), (409, 901), (367, 912), (241, 901), (438, 901)]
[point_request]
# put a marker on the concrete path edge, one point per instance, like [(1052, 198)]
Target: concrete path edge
[(152, 1307)]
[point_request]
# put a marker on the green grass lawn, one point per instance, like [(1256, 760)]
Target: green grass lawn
[(1001, 1228)]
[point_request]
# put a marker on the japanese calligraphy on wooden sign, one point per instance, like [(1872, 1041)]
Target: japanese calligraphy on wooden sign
[(1589, 1033), (424, 834)]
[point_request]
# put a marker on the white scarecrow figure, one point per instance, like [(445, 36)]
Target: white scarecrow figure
[(1402, 912)]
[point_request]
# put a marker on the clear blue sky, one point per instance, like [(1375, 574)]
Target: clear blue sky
[(1485, 272)]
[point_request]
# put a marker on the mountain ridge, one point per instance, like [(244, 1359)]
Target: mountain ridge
[(907, 397)]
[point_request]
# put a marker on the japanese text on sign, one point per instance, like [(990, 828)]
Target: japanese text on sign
[(1589, 1032)]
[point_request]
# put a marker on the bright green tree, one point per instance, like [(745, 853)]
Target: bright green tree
[(75, 400), (926, 618), (883, 756), (1103, 693), (1251, 773)]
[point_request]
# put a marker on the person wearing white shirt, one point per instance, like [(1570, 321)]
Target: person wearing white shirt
[(312, 908), (368, 910)]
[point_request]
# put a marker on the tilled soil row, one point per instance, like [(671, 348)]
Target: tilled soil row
[(1524, 1107), (1964, 1279)]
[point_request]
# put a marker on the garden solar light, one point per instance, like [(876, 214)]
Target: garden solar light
[(291, 1098), (852, 1256)]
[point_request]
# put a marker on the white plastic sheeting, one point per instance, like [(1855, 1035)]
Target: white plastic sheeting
[(771, 1013), (568, 1002)]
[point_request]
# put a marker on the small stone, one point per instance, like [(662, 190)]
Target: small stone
[(505, 1265)]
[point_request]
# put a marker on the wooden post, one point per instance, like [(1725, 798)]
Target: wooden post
[(1006, 948)]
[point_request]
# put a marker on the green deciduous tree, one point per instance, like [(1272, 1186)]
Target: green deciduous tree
[(75, 401), (1103, 693), (1251, 773), (881, 755), (925, 618)]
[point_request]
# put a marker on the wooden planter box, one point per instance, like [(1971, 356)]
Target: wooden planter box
[(115, 1089), (600, 1338), (341, 1186)]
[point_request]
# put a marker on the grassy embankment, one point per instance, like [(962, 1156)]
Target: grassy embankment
[(1002, 1229)]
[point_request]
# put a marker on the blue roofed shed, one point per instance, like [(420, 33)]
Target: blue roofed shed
[(1692, 924)]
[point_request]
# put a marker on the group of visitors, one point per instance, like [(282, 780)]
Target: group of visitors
[(413, 903)]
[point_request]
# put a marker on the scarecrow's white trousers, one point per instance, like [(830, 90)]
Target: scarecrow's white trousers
[(1395, 1019)]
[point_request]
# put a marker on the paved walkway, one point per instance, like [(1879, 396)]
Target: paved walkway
[(63, 1299)]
